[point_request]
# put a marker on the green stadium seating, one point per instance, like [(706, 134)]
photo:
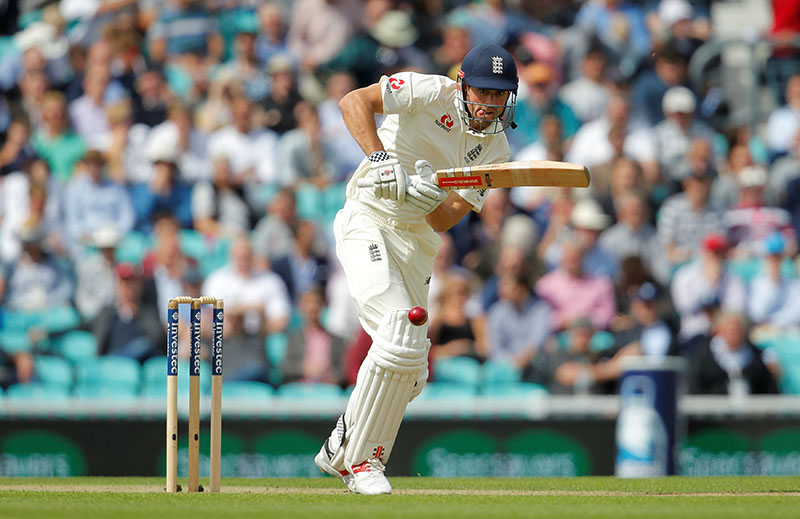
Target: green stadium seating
[(519, 389), (133, 247), (458, 370), (246, 390), (106, 391), (447, 390), (53, 371), (110, 371), (499, 372), (276, 345), (77, 345), (36, 392), (310, 391)]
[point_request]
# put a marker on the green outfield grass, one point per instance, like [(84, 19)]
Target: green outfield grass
[(745, 497)]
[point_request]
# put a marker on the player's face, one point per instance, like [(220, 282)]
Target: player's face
[(487, 107)]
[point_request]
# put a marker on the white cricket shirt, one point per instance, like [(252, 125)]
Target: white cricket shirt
[(423, 122)]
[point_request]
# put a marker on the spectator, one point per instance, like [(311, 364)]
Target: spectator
[(385, 47), (633, 235), (258, 294), (152, 99), (784, 122), (246, 67), (188, 140), (728, 363), (130, 326), (95, 274), (575, 368), (573, 293), (126, 162), (593, 143), (37, 281), (88, 112), (542, 99), (16, 148), (587, 221), (647, 94), (701, 287), (588, 94), (676, 131), (274, 232), (518, 323), (304, 156), (250, 150), (458, 325), (455, 44), (313, 353), (184, 27), (218, 208), (164, 192), (54, 141), (283, 96), (348, 152), (306, 264), (92, 200), (750, 222), (675, 25), (621, 27), (245, 355), (685, 218), (319, 29), (271, 37), (773, 301), (648, 333)]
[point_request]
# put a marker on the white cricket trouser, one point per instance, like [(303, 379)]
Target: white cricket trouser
[(387, 266)]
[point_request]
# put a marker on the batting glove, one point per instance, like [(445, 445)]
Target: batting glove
[(387, 178), (423, 193)]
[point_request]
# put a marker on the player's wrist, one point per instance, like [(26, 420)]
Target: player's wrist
[(378, 156)]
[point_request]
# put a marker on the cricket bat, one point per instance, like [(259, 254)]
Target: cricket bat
[(515, 174)]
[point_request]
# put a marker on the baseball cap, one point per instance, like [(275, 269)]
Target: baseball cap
[(489, 66), (395, 29), (752, 176), (715, 242), (673, 11), (127, 271), (678, 99)]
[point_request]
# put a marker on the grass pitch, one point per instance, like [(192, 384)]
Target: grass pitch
[(602, 497)]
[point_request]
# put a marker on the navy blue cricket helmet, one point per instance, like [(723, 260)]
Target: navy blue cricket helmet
[(492, 67)]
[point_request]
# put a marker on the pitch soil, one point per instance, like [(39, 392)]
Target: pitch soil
[(150, 489)]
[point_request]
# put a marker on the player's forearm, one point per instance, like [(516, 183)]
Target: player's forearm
[(358, 112), (448, 213)]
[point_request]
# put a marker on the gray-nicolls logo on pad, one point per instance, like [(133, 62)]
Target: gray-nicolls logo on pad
[(497, 64), (374, 253)]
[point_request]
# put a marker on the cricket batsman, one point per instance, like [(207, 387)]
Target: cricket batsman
[(386, 234)]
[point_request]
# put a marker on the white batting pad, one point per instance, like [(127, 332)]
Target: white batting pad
[(397, 359)]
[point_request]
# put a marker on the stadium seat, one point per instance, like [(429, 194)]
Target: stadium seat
[(447, 390), (246, 390), (276, 345), (601, 340), (458, 370), (36, 392), (310, 203), (499, 372), (519, 389), (105, 391), (132, 247), (76, 345), (109, 371), (53, 371), (12, 341), (310, 391), (60, 319)]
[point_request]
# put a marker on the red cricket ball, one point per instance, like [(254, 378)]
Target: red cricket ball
[(418, 316)]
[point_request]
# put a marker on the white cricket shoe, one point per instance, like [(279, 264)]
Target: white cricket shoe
[(323, 461), (368, 478)]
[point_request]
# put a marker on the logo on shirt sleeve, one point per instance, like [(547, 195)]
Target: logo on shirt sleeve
[(396, 83)]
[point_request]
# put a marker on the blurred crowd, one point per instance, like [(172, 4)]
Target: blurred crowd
[(208, 132)]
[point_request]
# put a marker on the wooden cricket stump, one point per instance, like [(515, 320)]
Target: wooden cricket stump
[(193, 483)]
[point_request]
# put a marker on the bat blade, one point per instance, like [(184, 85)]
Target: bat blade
[(515, 174)]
